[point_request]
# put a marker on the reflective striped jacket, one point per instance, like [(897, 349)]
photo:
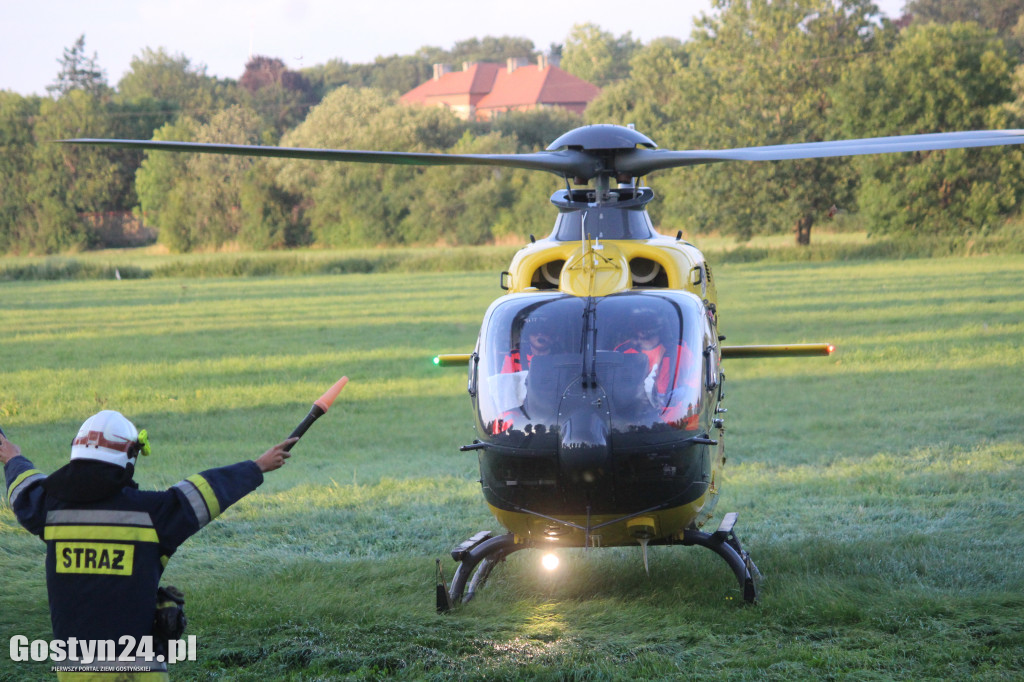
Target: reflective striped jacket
[(104, 559)]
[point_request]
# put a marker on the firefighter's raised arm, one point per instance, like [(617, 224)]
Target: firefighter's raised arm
[(275, 457), (8, 450)]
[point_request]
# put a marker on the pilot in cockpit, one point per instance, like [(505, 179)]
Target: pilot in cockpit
[(538, 337), (664, 362)]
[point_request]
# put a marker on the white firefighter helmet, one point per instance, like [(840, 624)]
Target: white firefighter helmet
[(107, 436)]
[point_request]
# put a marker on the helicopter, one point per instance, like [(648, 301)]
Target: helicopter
[(596, 380)]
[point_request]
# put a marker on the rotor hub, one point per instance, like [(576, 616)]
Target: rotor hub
[(602, 137)]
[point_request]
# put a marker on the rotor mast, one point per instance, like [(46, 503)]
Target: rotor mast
[(603, 144)]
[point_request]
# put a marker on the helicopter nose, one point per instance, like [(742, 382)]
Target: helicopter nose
[(584, 451)]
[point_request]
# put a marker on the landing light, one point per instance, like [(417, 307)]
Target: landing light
[(549, 562)]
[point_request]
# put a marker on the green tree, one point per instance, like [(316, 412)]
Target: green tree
[(489, 202), (533, 130), (490, 49), (162, 187), (269, 217), (937, 78), (209, 200), (217, 183), (157, 90), (487, 49), (654, 101), (598, 56), (170, 85), (999, 15), (78, 71), (281, 95), (652, 98), (754, 73), (393, 74), (397, 74), (17, 145), (364, 204), (68, 180)]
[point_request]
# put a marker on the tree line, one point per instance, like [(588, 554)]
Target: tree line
[(753, 72)]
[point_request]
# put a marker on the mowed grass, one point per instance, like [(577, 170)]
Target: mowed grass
[(879, 490)]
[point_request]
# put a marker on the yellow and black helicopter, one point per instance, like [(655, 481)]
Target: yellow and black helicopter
[(596, 380)]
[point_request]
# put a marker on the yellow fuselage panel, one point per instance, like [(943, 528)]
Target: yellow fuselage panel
[(667, 524), (595, 268)]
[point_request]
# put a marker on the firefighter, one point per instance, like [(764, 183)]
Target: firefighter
[(107, 542)]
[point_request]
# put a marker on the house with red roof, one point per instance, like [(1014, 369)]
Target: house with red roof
[(484, 90)]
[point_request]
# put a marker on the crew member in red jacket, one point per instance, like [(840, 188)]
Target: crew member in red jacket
[(667, 366), (538, 337)]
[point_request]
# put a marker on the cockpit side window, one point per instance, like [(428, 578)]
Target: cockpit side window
[(516, 334), (664, 335), (711, 374), (520, 334)]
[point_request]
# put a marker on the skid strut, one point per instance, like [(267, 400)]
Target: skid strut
[(726, 544), (476, 557), (479, 554)]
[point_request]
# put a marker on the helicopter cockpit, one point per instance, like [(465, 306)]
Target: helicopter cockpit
[(552, 367)]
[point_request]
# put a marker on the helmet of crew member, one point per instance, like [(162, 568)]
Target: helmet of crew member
[(109, 437), (645, 322), (540, 331)]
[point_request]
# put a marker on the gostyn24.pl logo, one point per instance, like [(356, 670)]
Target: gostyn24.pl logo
[(91, 651)]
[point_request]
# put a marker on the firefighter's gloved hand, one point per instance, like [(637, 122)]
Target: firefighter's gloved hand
[(170, 613)]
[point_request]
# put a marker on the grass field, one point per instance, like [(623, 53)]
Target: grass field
[(880, 491), (155, 262)]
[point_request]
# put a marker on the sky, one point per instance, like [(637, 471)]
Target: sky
[(222, 34)]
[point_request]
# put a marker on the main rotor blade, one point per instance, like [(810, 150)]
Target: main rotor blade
[(588, 163), (642, 161), (565, 162)]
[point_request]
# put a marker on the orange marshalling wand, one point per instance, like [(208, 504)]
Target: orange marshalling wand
[(320, 407)]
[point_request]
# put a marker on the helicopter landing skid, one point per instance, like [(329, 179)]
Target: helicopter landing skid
[(726, 544), (476, 557)]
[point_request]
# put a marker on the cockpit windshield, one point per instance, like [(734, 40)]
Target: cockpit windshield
[(638, 354)]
